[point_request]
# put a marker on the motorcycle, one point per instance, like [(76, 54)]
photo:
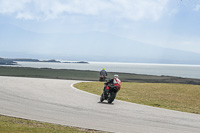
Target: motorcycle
[(109, 92), (102, 78)]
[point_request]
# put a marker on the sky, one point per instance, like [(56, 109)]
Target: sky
[(90, 28)]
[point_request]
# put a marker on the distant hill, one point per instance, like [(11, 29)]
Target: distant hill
[(7, 62), (13, 61), (90, 46)]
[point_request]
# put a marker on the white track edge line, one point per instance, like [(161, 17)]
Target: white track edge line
[(72, 86)]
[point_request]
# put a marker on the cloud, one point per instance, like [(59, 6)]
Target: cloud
[(140, 9), (52, 9), (197, 8), (9, 6)]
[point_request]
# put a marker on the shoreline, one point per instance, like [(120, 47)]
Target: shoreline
[(134, 68), (87, 75)]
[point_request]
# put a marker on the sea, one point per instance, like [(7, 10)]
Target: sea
[(177, 70)]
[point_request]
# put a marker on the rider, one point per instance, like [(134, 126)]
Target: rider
[(114, 82), (103, 73)]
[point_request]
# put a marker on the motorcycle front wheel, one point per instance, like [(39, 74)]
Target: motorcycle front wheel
[(101, 98)]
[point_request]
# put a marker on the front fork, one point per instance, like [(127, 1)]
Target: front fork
[(105, 91)]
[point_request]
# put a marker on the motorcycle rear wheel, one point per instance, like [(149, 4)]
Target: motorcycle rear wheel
[(111, 97)]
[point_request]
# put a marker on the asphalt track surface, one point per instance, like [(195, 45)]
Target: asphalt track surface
[(56, 101)]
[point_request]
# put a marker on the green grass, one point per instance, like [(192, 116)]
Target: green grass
[(89, 75), (16, 125), (48, 73), (180, 97)]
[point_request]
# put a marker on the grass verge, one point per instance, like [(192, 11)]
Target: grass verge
[(90, 75), (180, 97), (16, 125)]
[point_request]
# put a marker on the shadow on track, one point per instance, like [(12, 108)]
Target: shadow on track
[(106, 103)]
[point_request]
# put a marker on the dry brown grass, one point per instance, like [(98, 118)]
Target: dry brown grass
[(181, 97), (16, 125)]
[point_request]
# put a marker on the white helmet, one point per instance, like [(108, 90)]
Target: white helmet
[(116, 76)]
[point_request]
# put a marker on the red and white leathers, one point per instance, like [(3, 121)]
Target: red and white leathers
[(117, 83)]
